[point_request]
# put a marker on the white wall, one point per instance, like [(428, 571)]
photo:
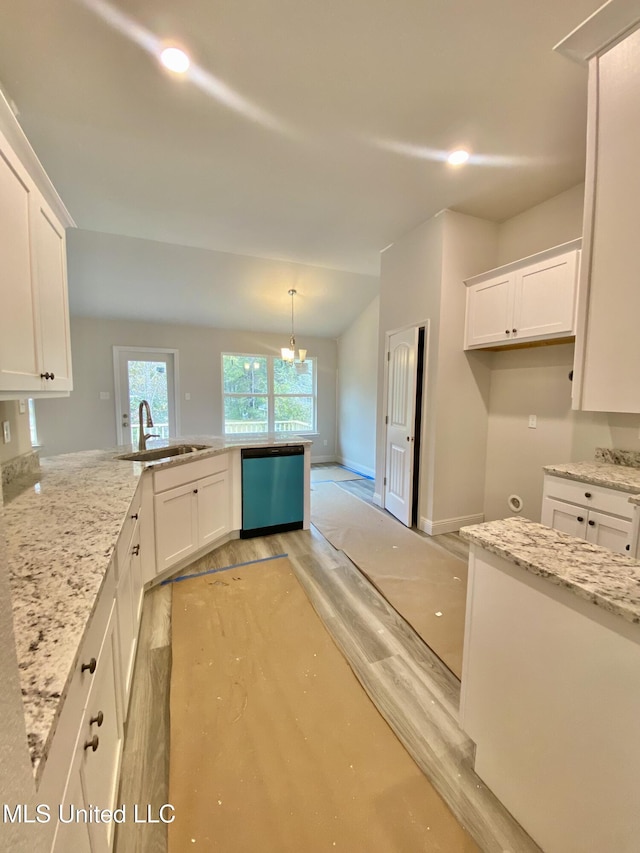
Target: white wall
[(422, 280), (557, 220), (84, 421), (357, 391), (463, 379), (20, 434), (535, 381), (410, 279)]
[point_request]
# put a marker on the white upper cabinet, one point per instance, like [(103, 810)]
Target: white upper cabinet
[(35, 350), (606, 374), (524, 302), (18, 321)]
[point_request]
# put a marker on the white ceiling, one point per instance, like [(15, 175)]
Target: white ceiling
[(308, 131)]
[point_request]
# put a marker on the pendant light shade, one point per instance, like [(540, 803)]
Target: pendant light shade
[(289, 353)]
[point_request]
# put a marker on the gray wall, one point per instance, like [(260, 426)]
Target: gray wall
[(84, 421), (357, 391)]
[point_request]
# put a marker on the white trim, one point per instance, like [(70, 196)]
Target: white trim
[(356, 467), (612, 22), (449, 525), (545, 255), (11, 129), (317, 459), (377, 499)]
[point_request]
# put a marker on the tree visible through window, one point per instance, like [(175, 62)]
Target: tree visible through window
[(267, 394)]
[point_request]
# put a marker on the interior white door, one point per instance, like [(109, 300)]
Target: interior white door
[(401, 401), (144, 374)]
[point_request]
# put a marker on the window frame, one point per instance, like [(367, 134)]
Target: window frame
[(270, 394)]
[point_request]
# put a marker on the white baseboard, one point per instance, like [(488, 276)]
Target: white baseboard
[(377, 499), (315, 459), (449, 525), (356, 467)]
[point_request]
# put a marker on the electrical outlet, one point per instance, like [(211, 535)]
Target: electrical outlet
[(187, 395), (104, 395), (533, 421), (22, 406), (6, 432), (325, 442)]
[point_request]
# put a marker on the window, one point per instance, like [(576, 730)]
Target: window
[(266, 394), (32, 423)]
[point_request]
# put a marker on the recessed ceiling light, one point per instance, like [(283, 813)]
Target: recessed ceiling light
[(175, 59), (456, 158)]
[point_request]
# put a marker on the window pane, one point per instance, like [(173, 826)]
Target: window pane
[(292, 378), (294, 414), (244, 374), (245, 414)]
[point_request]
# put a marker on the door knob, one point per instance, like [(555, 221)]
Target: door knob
[(99, 719)]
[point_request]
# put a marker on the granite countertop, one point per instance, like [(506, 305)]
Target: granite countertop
[(61, 527), (599, 473), (608, 579)]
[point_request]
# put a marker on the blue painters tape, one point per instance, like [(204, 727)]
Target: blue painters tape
[(224, 569)]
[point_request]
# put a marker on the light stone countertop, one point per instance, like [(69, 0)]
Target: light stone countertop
[(61, 527), (623, 478), (608, 579)]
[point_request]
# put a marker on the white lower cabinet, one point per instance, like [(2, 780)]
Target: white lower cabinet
[(128, 605), (599, 515), (193, 514), (93, 778), (100, 744)]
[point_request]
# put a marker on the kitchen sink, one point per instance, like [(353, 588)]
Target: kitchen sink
[(156, 453)]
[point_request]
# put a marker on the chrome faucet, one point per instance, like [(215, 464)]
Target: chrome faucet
[(142, 440)]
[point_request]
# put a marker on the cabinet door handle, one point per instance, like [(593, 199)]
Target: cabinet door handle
[(514, 331), (47, 375), (580, 518), (99, 719), (627, 547), (592, 524), (135, 550), (195, 491), (134, 516), (91, 666), (587, 494), (507, 332), (92, 744)]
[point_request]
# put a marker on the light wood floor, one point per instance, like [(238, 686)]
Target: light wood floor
[(415, 693)]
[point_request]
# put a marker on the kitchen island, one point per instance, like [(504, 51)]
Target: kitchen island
[(65, 537), (551, 683)]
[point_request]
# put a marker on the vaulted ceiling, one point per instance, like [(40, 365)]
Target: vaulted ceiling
[(305, 131)]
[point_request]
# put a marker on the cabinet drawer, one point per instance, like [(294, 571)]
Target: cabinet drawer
[(125, 542), (179, 474), (76, 697), (592, 497)]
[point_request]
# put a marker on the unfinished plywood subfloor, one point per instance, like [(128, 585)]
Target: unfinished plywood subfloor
[(274, 744), (425, 584)]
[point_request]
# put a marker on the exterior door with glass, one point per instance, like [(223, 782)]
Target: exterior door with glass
[(145, 374)]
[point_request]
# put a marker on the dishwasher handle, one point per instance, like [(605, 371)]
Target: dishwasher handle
[(266, 452)]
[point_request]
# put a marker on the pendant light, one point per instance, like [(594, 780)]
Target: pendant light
[(289, 353)]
